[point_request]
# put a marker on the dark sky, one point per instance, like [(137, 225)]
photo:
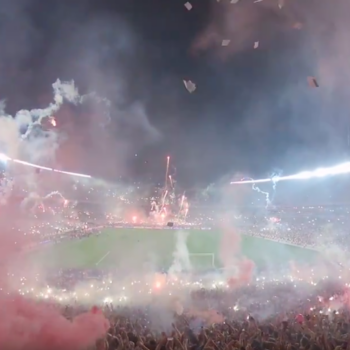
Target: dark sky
[(253, 112)]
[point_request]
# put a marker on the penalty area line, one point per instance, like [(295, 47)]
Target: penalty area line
[(104, 257)]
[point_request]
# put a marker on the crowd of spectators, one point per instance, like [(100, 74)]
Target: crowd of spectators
[(309, 325), (280, 315), (310, 227), (283, 315)]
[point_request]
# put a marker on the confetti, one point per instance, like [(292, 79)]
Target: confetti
[(190, 86), (234, 1), (188, 6), (226, 42), (312, 82), (256, 1), (256, 44)]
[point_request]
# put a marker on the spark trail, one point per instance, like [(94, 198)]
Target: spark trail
[(339, 169)]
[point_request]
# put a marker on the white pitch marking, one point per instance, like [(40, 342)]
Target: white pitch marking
[(102, 258)]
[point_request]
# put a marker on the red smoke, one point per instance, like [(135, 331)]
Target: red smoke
[(230, 247), (245, 271), (27, 324), (240, 269)]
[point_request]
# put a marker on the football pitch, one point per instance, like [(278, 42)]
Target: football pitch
[(120, 248)]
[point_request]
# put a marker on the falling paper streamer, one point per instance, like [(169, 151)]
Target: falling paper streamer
[(191, 87), (256, 1), (226, 42), (280, 4), (188, 6), (312, 82), (256, 44), (234, 1)]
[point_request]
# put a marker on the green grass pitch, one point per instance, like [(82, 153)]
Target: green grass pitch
[(121, 248)]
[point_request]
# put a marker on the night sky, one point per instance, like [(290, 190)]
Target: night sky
[(253, 112)]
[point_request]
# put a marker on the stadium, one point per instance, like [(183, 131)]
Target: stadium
[(70, 233), (111, 229), (86, 235), (185, 186), (113, 248), (236, 248)]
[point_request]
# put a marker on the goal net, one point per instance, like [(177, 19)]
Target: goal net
[(202, 261)]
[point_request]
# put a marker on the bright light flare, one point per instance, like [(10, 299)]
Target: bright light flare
[(339, 169), (4, 158)]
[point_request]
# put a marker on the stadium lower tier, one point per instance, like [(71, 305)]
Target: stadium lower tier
[(126, 249)]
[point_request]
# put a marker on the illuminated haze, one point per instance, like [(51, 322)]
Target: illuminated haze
[(252, 110)]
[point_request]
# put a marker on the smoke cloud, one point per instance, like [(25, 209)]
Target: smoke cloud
[(27, 324), (181, 262), (296, 40)]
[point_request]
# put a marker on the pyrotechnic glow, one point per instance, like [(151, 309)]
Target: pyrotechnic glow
[(5, 158), (339, 169)]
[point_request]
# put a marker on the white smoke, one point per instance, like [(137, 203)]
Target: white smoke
[(181, 262), (23, 134), (32, 201), (6, 189)]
